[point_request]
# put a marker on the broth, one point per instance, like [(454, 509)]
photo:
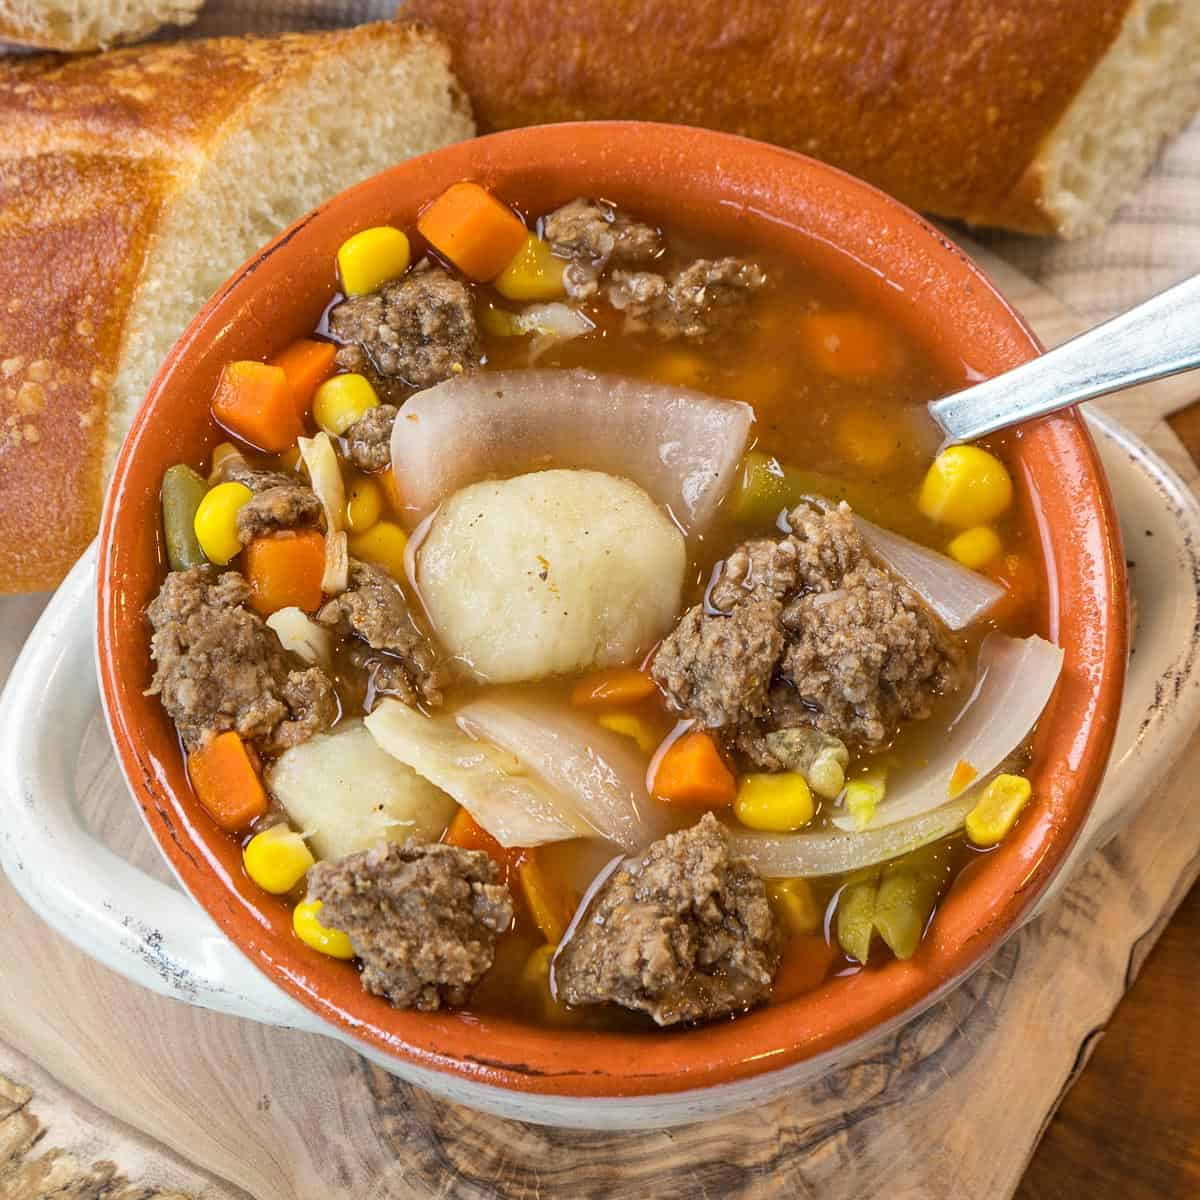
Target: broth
[(863, 437)]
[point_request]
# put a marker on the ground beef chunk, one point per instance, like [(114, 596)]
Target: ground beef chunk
[(280, 501), (419, 328), (858, 651), (595, 236), (219, 667), (374, 608), (719, 669), (422, 917), (369, 439), (704, 298), (684, 933), (284, 506)]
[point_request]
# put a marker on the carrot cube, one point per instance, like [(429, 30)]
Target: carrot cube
[(254, 402), (692, 774), (307, 364), (226, 783), (284, 571), (470, 227)]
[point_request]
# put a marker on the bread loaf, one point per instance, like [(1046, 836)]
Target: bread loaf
[(89, 24), (1021, 113), (131, 185)]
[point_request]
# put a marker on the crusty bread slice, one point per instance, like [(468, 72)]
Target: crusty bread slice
[(131, 185), (89, 24), (1035, 116), (1144, 89)]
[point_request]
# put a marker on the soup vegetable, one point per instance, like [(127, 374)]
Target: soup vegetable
[(581, 624)]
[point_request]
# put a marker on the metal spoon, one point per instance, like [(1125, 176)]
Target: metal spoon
[(1158, 338)]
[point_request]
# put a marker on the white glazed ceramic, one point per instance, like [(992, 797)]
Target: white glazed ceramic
[(158, 937)]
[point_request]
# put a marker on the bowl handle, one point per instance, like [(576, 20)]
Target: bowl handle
[(153, 934)]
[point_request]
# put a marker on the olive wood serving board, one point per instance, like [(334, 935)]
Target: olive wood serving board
[(140, 1096)]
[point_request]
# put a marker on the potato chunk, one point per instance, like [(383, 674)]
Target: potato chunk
[(346, 794), (549, 573)]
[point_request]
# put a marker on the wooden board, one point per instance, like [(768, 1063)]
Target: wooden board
[(952, 1106)]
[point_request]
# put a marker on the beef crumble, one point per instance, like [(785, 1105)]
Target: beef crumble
[(704, 298), (279, 502), (858, 653), (218, 667), (374, 608), (594, 236), (419, 328), (284, 506), (685, 933), (369, 439), (422, 917)]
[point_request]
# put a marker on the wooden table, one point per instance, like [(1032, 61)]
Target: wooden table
[(1128, 1128)]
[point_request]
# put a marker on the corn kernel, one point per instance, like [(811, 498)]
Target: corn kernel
[(277, 859), (863, 796), (867, 439), (533, 274), (535, 975), (778, 803), (341, 401), (998, 809), (794, 905), (631, 726), (312, 933), (535, 982), (370, 258), (383, 544), (364, 504), (216, 521), (965, 486), (975, 547)]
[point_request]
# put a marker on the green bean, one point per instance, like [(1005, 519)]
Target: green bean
[(182, 491), (856, 915), (766, 487), (908, 890)]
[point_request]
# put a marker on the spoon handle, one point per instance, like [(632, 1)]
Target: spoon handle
[(1158, 338)]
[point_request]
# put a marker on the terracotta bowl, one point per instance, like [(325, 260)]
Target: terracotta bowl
[(896, 263)]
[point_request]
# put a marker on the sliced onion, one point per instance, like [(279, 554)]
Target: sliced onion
[(784, 855), (326, 479), (1014, 679), (681, 446), (957, 594), (599, 771), (551, 323), (516, 807)]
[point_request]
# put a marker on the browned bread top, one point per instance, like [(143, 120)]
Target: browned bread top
[(944, 103), (162, 99), (131, 184), (72, 231)]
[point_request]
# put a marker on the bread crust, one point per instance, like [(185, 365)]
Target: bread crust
[(943, 103), (93, 151)]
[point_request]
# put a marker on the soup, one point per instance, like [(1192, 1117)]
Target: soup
[(582, 624)]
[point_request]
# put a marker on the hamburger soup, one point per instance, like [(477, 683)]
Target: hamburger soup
[(582, 623)]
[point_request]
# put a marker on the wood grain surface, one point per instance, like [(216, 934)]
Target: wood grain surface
[(172, 1100)]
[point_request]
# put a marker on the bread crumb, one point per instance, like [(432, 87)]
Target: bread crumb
[(31, 433), (10, 366), (40, 370)]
